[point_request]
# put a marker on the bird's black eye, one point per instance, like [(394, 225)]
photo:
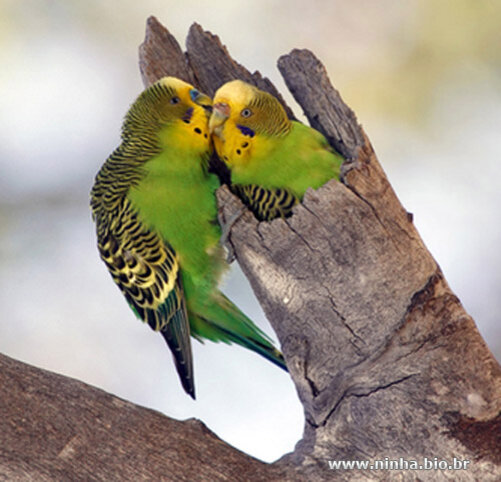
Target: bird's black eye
[(246, 112), (174, 100)]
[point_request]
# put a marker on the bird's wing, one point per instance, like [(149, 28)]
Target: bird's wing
[(146, 269), (266, 204)]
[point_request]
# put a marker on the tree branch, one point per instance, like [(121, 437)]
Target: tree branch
[(385, 360), (56, 428)]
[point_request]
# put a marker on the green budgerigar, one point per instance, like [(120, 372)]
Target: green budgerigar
[(156, 221), (273, 160)]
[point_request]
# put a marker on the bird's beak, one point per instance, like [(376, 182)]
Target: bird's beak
[(220, 112), (202, 100)]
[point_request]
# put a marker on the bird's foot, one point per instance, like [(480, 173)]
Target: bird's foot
[(226, 229)]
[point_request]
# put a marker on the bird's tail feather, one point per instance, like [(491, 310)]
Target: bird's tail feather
[(223, 321), (177, 335)]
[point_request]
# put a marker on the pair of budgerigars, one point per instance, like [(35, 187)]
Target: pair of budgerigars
[(155, 210)]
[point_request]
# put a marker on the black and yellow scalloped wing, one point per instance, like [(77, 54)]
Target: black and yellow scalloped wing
[(146, 270), (266, 204)]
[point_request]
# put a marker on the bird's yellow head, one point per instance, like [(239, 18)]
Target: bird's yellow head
[(243, 117), (173, 109)]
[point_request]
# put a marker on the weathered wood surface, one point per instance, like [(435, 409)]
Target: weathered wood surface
[(386, 361), (56, 428)]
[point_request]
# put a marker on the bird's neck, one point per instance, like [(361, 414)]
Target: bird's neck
[(188, 135)]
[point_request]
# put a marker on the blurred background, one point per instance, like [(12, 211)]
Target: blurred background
[(424, 79)]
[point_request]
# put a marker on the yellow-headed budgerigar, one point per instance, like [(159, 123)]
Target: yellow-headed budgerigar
[(273, 160), (156, 221)]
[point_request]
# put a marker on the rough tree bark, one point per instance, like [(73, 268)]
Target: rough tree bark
[(385, 360)]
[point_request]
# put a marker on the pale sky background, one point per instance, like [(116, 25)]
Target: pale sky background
[(424, 79)]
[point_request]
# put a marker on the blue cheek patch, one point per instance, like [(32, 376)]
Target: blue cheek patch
[(246, 131), (187, 115)]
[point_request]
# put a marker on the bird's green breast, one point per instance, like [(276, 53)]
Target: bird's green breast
[(175, 197), (299, 160)]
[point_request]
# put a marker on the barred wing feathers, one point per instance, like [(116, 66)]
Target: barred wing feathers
[(145, 268), (266, 204)]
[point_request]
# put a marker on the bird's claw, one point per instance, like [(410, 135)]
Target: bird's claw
[(226, 229)]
